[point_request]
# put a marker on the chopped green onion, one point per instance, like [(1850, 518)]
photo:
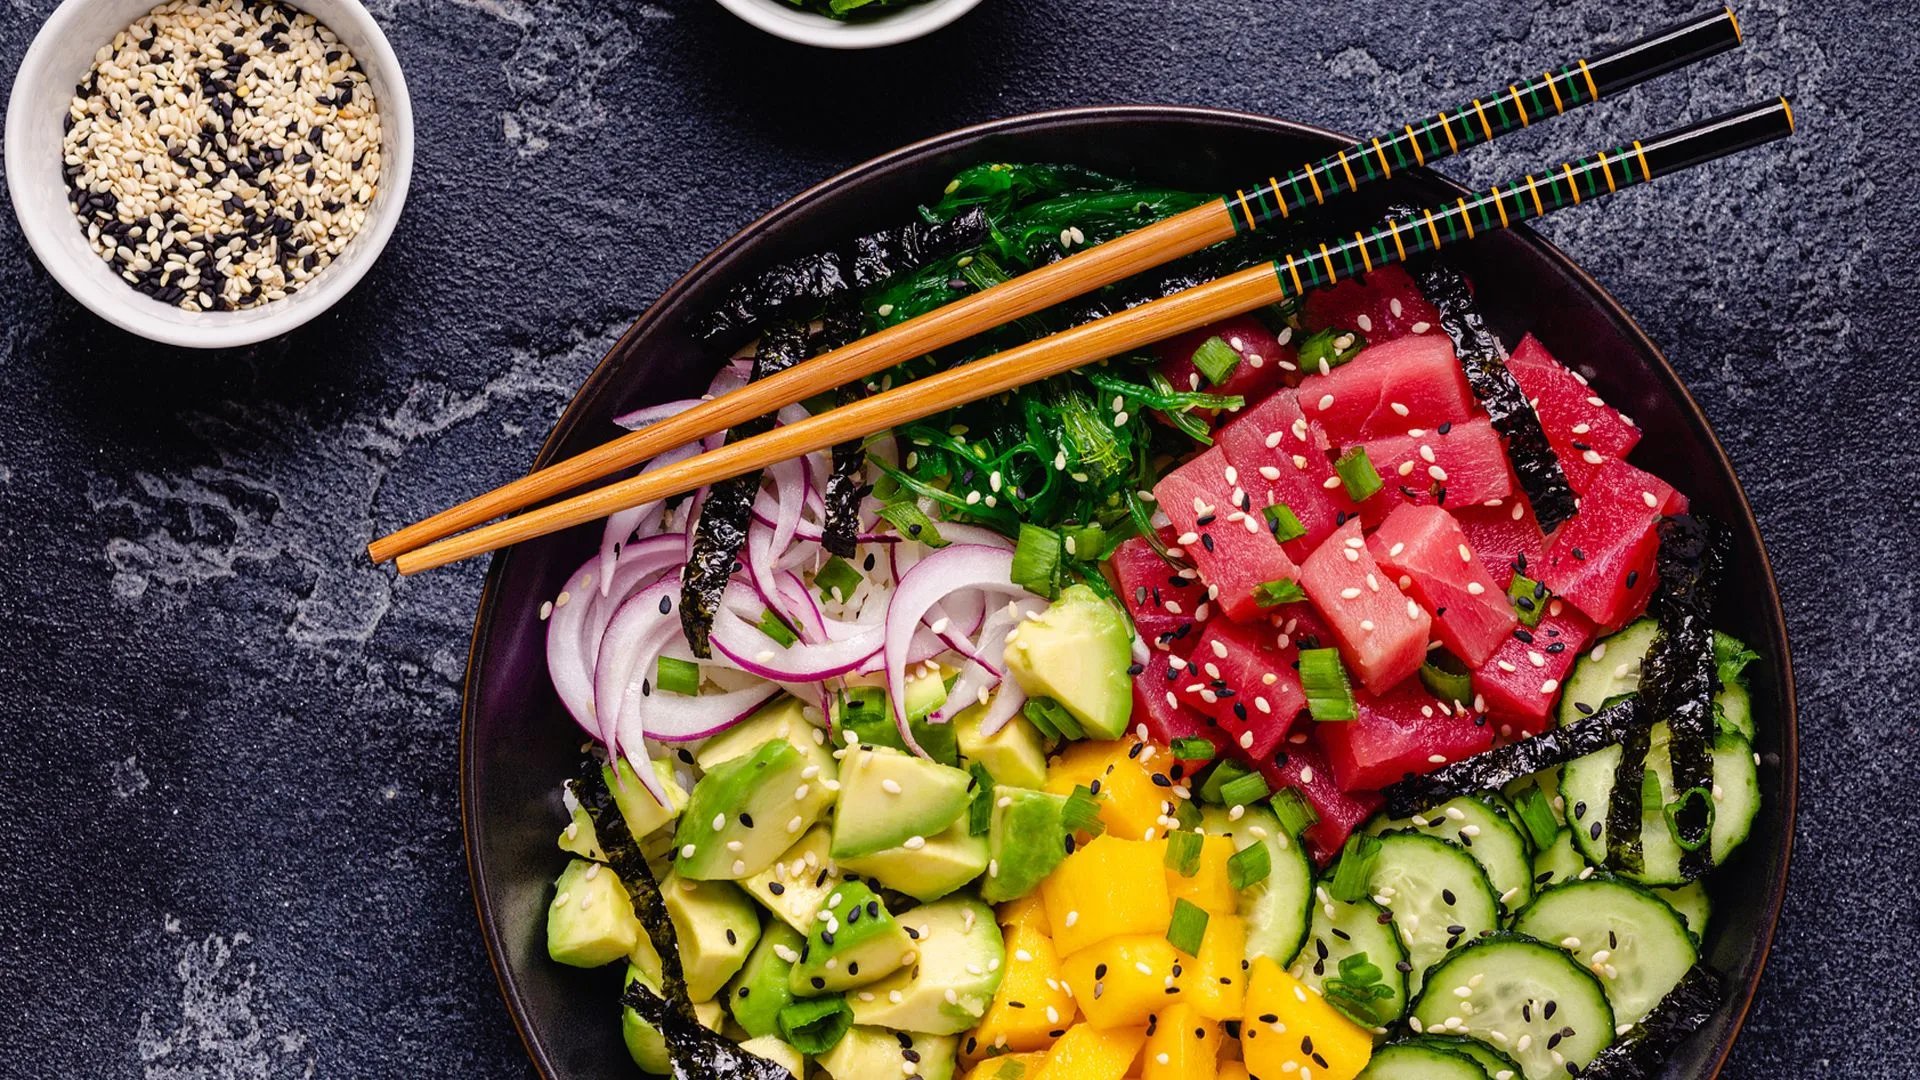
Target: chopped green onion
[(1183, 852), (1085, 543), (1324, 678), (1188, 929), (1011, 1070), (1355, 872), (1081, 814), (1652, 799), (861, 706), (1186, 814), (1249, 866), (1680, 805), (1358, 474), (678, 676), (910, 521), (1529, 599), (980, 810), (1216, 360), (1536, 816), (1357, 990), (776, 628), (1322, 350), (1036, 560), (1275, 593), (836, 579), (1244, 790), (1284, 523), (1447, 678), (1223, 774), (1192, 748), (815, 1025), (1052, 718), (1291, 808)]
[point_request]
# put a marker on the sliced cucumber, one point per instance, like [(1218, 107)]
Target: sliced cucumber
[(1586, 784), (1693, 904), (1733, 709), (1420, 1061), (1612, 667), (1633, 940), (1549, 784), (1498, 1065), (1560, 862), (1338, 930), (1275, 909), (1437, 893), (1485, 827), (1526, 999)]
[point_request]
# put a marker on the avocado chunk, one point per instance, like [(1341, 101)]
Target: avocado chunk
[(643, 812), (578, 838), (644, 1042), (783, 718), (1026, 840), (945, 992), (747, 810), (772, 1049), (890, 797), (1077, 653), (798, 882), (760, 991), (864, 714), (591, 920), (716, 925), (868, 1053), (853, 942), (927, 871), (1015, 755)]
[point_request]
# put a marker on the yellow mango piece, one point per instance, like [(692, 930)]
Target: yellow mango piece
[(1289, 1028), (1215, 982), (1025, 1065), (1109, 887), (1181, 1045), (1209, 888), (1232, 1070), (1028, 910), (1131, 804), (1031, 1004), (1086, 1052), (1122, 981)]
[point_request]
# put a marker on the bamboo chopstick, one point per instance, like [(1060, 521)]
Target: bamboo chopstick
[(1396, 240), (1420, 143)]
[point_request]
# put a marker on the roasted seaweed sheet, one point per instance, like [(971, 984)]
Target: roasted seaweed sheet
[(695, 1052), (1679, 678), (1496, 768), (1642, 1052), (845, 483), (623, 853)]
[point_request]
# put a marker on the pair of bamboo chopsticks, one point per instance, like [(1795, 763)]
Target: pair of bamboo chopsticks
[(1413, 145)]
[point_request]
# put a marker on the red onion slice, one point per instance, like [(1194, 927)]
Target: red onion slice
[(575, 629), (749, 647), (940, 574)]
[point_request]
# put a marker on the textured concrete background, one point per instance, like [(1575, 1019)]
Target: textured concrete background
[(228, 814)]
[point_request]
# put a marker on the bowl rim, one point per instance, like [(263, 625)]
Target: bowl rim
[(907, 24), (397, 137), (596, 381)]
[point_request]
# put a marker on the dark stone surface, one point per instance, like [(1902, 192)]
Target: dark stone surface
[(230, 846)]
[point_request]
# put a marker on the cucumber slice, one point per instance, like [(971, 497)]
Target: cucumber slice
[(1637, 944), (1362, 928), (1526, 999), (1438, 895), (1691, 901), (1275, 909), (1498, 1065), (1548, 782), (1560, 862), (1485, 827), (1733, 709), (1612, 667), (1420, 1061), (1587, 782)]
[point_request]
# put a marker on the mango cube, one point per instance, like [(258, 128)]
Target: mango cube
[(1007, 1067), (1232, 1070), (1107, 888), (1031, 1004), (1131, 804), (1086, 1052), (1209, 888), (1028, 910), (1181, 1045), (1122, 981), (1289, 1028)]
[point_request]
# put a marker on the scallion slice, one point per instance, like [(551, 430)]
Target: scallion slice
[(1447, 678), (1291, 808), (1529, 599), (1183, 852), (1324, 678), (1244, 790), (1186, 814), (836, 579), (815, 1025), (1275, 593), (1223, 774), (1216, 360), (1188, 929), (1324, 350), (1352, 877), (1036, 560), (1702, 831), (1192, 748), (1283, 522), (1356, 471), (980, 810), (1052, 718), (1249, 866), (1536, 816), (678, 676), (776, 628), (913, 523), (1081, 814), (1084, 543)]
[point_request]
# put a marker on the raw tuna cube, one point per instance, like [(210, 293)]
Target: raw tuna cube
[(1429, 557), (1583, 429), (1243, 677), (1415, 382), (1281, 458), (1157, 709), (1506, 537), (1407, 732), (1601, 560), (1450, 465), (1381, 632), (1264, 362), (1232, 550), (1159, 599), (1382, 305), (1519, 685), (1301, 765)]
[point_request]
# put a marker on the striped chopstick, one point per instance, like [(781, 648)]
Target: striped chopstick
[(1397, 239), (1415, 144)]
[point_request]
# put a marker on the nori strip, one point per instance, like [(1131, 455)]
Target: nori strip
[(721, 528), (1496, 768), (845, 486), (623, 853), (695, 1052), (1541, 477), (1641, 1053), (812, 280), (1679, 675), (1624, 808)]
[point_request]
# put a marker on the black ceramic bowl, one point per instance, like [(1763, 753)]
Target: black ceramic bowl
[(517, 744)]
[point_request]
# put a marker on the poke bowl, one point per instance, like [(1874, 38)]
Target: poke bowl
[(1302, 798)]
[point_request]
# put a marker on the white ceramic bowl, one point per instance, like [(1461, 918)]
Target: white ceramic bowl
[(55, 64), (782, 19)]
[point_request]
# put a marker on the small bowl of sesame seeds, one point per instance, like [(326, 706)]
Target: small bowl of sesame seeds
[(209, 173)]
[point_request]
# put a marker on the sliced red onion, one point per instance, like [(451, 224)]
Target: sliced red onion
[(644, 520), (748, 646), (946, 571), (983, 672), (1006, 704), (575, 629), (653, 414), (623, 670), (677, 718)]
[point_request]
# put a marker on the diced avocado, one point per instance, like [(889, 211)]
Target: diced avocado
[(578, 838), (863, 714), (716, 925), (760, 991), (872, 1053), (1025, 842), (644, 1042), (770, 1048), (1015, 755), (643, 812), (929, 870), (962, 959), (798, 882), (783, 718), (591, 920), (747, 810), (1077, 652), (891, 797), (859, 943)]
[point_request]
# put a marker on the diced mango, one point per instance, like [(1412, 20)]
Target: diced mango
[(1232, 1070), (1028, 910), (1290, 1028), (1007, 1067), (1108, 888), (1181, 1045), (1031, 1003), (1209, 888), (1122, 981), (1215, 981), (1086, 1052), (1131, 804)]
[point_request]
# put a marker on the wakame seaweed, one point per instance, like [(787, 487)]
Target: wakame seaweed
[(624, 856), (846, 483), (1493, 769), (998, 187), (721, 529), (1541, 477), (1644, 1050), (1679, 674), (695, 1052)]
